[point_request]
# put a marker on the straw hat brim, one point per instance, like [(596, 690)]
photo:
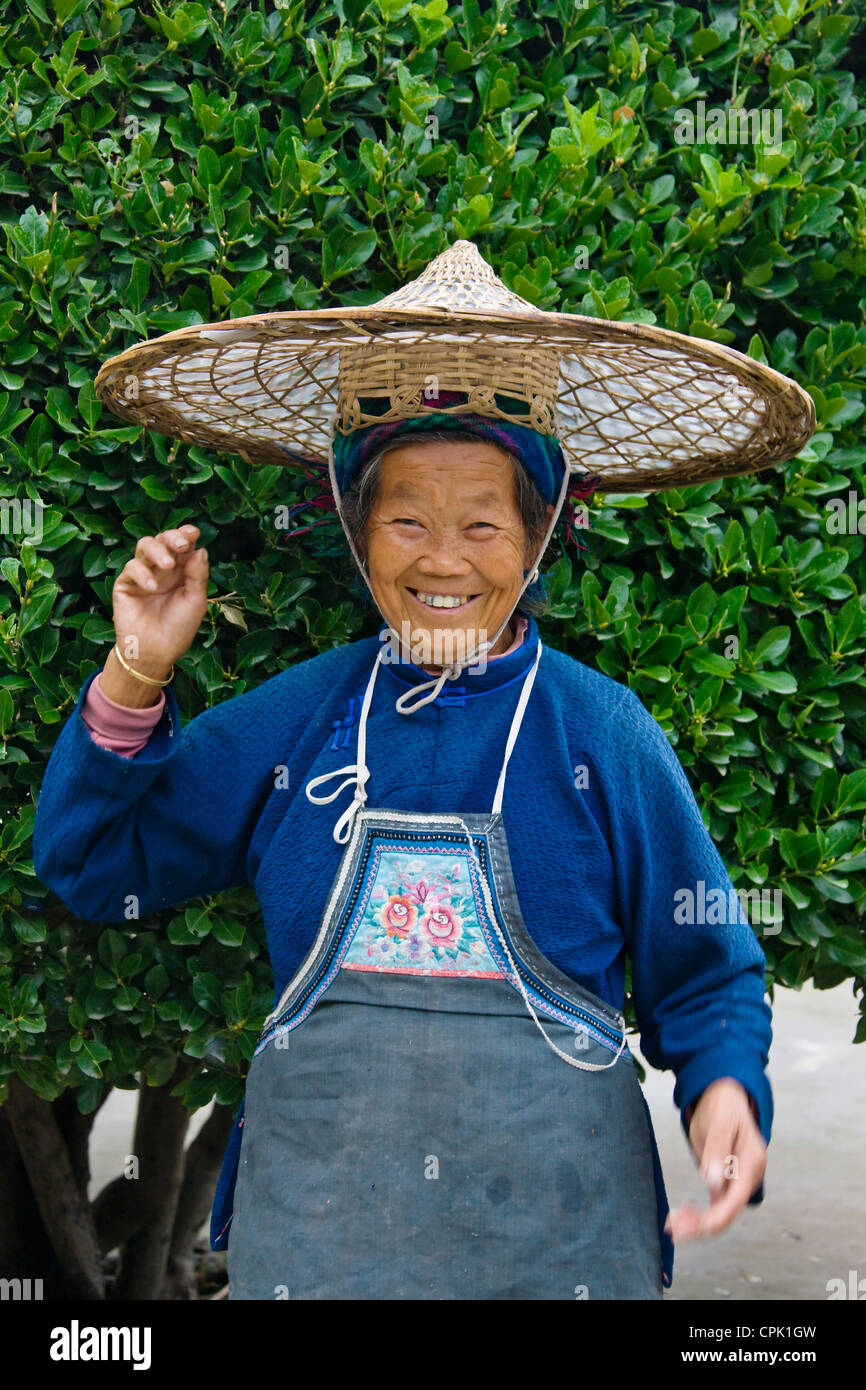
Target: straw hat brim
[(643, 407)]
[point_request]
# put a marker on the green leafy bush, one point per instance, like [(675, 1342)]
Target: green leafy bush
[(173, 164)]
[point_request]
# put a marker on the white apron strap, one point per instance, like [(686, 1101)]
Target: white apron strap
[(358, 771), (515, 727), (491, 913)]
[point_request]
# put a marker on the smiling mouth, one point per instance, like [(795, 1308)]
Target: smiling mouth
[(442, 603)]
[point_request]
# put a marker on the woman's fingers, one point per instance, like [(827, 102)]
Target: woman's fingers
[(731, 1177), (183, 538), (168, 568), (155, 552), (155, 555), (164, 550), (732, 1155), (689, 1223), (197, 568), (140, 573), (160, 555)]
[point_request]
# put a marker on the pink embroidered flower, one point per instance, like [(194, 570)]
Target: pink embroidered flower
[(442, 926), (397, 916)]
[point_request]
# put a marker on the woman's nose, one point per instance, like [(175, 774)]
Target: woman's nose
[(443, 553)]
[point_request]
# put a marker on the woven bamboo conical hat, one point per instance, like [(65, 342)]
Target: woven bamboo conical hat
[(643, 407)]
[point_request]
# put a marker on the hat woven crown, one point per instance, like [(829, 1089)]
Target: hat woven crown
[(405, 377), (458, 279)]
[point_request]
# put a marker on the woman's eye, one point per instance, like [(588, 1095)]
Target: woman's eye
[(413, 521)]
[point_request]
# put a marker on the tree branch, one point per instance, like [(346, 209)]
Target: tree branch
[(201, 1170), (64, 1210), (25, 1250), (117, 1213), (160, 1128)]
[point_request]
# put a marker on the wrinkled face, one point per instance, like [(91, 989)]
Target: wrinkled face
[(445, 544)]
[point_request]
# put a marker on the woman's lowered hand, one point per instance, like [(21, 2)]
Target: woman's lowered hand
[(732, 1155)]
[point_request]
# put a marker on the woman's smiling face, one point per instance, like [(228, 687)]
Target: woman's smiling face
[(445, 525)]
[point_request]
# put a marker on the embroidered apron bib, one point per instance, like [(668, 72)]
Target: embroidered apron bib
[(407, 1134)]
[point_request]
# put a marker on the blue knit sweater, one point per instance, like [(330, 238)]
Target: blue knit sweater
[(602, 825)]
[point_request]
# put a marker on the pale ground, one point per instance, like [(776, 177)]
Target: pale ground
[(811, 1226)]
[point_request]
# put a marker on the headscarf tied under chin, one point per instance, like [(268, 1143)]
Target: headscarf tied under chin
[(540, 454)]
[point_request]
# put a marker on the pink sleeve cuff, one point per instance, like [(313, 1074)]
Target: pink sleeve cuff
[(117, 727)]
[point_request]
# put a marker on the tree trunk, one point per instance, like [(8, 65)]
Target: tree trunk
[(25, 1249), (76, 1129), (64, 1208), (201, 1170), (117, 1213), (160, 1128)]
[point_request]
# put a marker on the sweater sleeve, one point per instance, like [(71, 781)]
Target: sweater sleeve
[(697, 965), (118, 727), (122, 836)]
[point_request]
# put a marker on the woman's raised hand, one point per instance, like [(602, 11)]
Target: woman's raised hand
[(159, 599)]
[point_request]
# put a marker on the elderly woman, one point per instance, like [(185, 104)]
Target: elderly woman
[(441, 1104)]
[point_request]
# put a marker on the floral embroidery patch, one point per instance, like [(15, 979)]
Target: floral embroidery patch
[(420, 915)]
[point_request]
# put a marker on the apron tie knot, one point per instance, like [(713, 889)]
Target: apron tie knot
[(358, 776)]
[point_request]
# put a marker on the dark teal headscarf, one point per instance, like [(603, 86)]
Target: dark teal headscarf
[(540, 454)]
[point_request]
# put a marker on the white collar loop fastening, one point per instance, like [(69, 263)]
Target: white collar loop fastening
[(433, 687)]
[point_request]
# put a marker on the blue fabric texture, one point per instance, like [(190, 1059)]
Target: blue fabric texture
[(603, 829)]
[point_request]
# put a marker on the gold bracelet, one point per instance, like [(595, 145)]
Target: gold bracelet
[(148, 680)]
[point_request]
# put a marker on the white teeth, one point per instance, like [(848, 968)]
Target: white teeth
[(442, 600)]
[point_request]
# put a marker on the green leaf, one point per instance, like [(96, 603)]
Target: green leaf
[(704, 41), (198, 920), (156, 981), (91, 1055), (712, 663), (88, 405), (852, 792), (38, 606), (772, 645), (782, 682), (157, 488), (349, 253), (229, 931)]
